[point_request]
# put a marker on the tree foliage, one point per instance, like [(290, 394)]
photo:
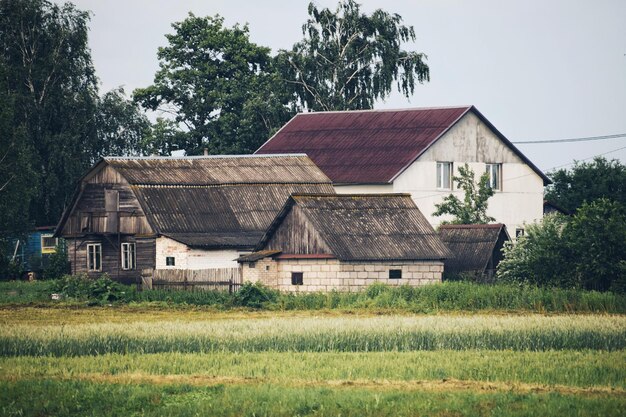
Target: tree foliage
[(588, 181), (218, 85), (56, 124), (587, 250), (473, 208), (348, 59)]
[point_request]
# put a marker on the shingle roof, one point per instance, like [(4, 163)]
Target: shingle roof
[(367, 227), (471, 245), (372, 146)]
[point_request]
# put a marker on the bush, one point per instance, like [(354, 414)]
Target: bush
[(58, 264), (584, 251), (100, 290), (254, 295)]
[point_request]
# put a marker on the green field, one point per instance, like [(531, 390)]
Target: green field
[(192, 361)]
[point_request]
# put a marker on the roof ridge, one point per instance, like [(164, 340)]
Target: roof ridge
[(175, 158), (404, 109)]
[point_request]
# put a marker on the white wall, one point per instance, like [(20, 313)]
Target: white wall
[(521, 198), (363, 189), (189, 258)]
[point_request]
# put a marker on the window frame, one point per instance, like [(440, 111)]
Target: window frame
[(131, 249), (519, 232), (97, 256), (48, 249), (167, 259), (440, 175), (394, 272), (489, 168), (297, 278)]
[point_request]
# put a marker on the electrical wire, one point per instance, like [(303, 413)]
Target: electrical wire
[(583, 139)]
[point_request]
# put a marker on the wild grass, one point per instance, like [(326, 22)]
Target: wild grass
[(70, 398), (448, 296), (565, 368), (311, 334)]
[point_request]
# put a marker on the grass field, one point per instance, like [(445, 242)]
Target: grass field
[(153, 361)]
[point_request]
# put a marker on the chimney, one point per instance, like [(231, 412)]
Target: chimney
[(206, 151)]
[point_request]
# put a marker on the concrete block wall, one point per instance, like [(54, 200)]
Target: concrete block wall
[(332, 274)]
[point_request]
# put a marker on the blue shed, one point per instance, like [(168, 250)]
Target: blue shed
[(33, 252)]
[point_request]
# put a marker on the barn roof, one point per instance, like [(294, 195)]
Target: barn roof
[(216, 202), (367, 226), (471, 245), (371, 146)]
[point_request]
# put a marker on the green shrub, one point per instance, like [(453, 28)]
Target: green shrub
[(100, 290), (58, 264), (254, 295)]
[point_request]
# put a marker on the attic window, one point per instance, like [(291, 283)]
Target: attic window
[(296, 278), (395, 273), (170, 261)]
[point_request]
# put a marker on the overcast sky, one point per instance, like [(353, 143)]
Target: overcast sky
[(537, 69)]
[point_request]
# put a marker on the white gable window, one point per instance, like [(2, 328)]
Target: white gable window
[(444, 175), (128, 256), (94, 257), (495, 176)]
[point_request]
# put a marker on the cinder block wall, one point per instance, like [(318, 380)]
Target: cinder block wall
[(332, 274)]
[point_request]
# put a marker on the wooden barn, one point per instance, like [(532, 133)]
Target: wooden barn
[(325, 242), (476, 249), (130, 214)]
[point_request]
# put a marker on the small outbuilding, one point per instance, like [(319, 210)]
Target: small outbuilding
[(323, 242), (476, 249)]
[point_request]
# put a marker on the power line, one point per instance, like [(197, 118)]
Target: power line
[(583, 139)]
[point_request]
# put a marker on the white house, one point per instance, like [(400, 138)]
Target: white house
[(417, 151)]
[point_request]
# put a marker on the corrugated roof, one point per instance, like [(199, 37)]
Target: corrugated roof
[(214, 201), (217, 216), (471, 245), (255, 256), (212, 170), (368, 227), (372, 146)]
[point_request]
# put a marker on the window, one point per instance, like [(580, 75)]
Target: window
[(170, 261), (444, 175), (395, 273), (296, 278), (519, 233), (48, 243), (128, 256), (267, 267), (495, 173), (94, 257)]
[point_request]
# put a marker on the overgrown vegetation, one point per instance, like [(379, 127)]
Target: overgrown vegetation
[(587, 250), (448, 296)]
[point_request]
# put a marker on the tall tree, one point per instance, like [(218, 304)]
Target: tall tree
[(588, 181), (348, 60), (473, 208), (58, 123), (218, 85)]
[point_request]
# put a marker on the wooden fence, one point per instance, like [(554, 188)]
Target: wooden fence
[(220, 279)]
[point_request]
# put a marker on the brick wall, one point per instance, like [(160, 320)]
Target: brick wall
[(332, 274)]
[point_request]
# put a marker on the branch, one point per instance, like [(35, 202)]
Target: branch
[(7, 183)]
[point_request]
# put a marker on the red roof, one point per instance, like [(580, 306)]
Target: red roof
[(369, 146)]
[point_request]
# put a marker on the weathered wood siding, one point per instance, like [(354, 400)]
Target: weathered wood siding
[(297, 235), (91, 214), (112, 257)]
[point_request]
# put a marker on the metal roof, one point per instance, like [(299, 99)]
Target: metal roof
[(373, 146), (471, 245), (367, 226)]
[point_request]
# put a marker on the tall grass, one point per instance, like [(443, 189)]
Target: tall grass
[(343, 334), (448, 296)]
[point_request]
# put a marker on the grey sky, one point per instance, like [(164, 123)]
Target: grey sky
[(537, 69)]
